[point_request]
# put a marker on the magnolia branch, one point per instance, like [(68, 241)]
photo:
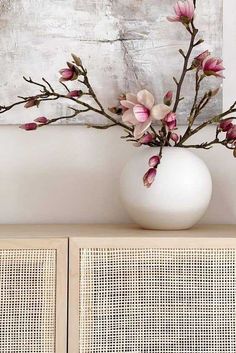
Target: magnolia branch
[(48, 93), (208, 145), (193, 32), (210, 121)]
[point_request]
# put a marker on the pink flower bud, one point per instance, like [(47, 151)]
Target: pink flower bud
[(41, 120), (174, 137), (77, 60), (168, 98), (75, 93), (31, 103), (154, 161), (28, 126), (198, 60), (147, 138), (231, 134), (69, 74), (213, 67), (170, 121), (226, 124), (149, 177)]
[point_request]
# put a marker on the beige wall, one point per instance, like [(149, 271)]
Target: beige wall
[(71, 174)]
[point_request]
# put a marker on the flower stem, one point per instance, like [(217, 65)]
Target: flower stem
[(179, 83)]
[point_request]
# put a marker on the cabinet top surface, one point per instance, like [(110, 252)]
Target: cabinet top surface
[(110, 230)]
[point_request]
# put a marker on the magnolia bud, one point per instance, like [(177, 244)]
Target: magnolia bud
[(31, 103), (168, 98), (147, 138), (174, 137), (76, 59), (75, 93), (231, 133), (69, 74), (225, 124), (28, 126), (198, 60), (214, 92), (154, 161), (170, 120), (149, 177), (41, 120)]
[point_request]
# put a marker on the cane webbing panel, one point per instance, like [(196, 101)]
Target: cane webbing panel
[(157, 301), (27, 301)]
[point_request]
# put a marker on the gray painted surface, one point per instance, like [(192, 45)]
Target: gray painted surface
[(125, 44)]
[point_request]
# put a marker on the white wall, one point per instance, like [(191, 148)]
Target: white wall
[(71, 174)]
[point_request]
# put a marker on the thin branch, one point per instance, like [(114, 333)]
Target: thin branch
[(76, 112), (215, 119), (209, 145), (210, 121), (4, 108), (49, 85), (100, 127), (179, 83), (64, 85), (51, 95), (29, 80), (197, 88)]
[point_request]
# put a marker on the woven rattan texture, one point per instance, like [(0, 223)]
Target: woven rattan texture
[(157, 301), (27, 301)]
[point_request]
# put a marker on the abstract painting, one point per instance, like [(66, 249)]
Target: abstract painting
[(125, 45)]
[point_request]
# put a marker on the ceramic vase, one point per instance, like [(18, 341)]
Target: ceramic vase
[(179, 196)]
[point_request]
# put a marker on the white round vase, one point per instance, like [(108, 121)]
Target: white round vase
[(178, 197)]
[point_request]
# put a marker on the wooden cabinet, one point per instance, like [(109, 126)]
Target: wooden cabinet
[(153, 292), (33, 295), (126, 289)]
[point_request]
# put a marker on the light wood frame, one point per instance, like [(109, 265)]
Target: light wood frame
[(132, 240), (61, 247)]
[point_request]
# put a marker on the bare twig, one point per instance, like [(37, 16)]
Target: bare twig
[(193, 32), (64, 85), (49, 95), (76, 112), (100, 127), (49, 85), (210, 121), (29, 80)]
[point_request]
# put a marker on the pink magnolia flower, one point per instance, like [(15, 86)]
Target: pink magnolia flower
[(213, 66), (141, 111), (198, 60), (154, 161), (28, 126), (41, 120), (75, 93), (170, 121), (168, 98), (69, 74), (184, 12), (149, 177), (231, 133), (174, 137), (226, 124), (147, 138)]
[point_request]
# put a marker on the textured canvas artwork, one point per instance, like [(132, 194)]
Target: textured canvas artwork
[(125, 45)]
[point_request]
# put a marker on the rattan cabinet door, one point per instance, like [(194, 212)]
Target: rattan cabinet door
[(33, 303), (152, 295)]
